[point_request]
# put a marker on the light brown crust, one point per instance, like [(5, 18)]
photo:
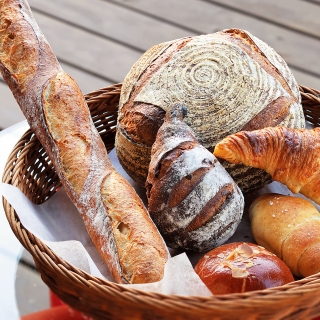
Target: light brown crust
[(137, 240), (67, 118), (271, 116), (19, 56), (289, 227), (57, 113), (138, 123), (290, 156)]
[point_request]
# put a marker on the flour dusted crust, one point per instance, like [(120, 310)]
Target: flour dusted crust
[(229, 81), (192, 199), (54, 106)]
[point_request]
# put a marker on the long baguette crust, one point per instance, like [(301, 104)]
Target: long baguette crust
[(54, 106), (290, 156)]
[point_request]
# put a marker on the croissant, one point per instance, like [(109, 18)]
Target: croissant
[(290, 156), (290, 228), (192, 199)]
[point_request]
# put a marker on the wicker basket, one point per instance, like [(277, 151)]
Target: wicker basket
[(29, 169)]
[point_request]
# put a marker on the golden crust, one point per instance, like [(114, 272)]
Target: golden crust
[(18, 53), (289, 227), (139, 245), (67, 117), (290, 156)]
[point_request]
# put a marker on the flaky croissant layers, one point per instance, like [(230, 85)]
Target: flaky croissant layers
[(290, 156)]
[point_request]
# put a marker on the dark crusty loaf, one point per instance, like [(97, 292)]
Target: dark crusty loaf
[(192, 199), (54, 106), (229, 81)]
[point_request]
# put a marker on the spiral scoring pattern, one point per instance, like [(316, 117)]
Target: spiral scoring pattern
[(216, 80)]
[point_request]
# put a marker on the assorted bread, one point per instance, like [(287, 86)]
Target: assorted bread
[(115, 217), (228, 92), (192, 199), (290, 156), (240, 267), (229, 81)]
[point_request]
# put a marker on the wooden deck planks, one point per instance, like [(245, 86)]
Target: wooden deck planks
[(297, 15), (97, 41), (10, 112), (89, 52), (299, 51), (111, 21)]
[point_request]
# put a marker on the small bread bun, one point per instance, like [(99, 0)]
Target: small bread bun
[(239, 267)]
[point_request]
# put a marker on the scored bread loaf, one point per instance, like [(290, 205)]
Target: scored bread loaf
[(229, 81), (289, 227), (54, 106), (192, 199)]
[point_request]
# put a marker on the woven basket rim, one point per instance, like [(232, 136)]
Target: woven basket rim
[(37, 248)]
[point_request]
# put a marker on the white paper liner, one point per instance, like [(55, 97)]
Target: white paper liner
[(58, 224)]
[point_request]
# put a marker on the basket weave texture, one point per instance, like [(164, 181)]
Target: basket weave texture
[(29, 168)]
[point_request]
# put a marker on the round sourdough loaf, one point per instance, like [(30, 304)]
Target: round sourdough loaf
[(229, 81)]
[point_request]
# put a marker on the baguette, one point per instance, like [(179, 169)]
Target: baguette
[(56, 111)]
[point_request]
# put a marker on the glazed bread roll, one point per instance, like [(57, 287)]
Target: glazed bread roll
[(192, 199), (290, 156), (229, 81), (289, 227), (240, 267), (54, 106)]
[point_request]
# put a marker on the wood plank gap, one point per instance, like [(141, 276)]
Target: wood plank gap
[(294, 67), (81, 69), (258, 17), (316, 2), (72, 24), (87, 70), (155, 17)]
